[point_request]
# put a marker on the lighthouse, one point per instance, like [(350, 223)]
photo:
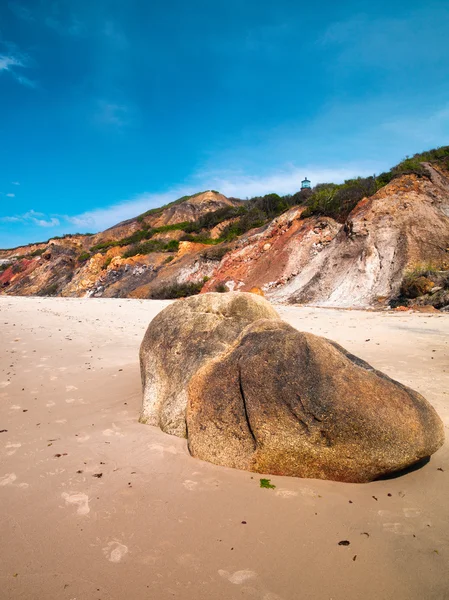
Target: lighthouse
[(305, 184)]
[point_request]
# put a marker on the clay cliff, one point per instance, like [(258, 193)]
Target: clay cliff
[(358, 244)]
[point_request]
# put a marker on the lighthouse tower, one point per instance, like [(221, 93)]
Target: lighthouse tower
[(305, 184)]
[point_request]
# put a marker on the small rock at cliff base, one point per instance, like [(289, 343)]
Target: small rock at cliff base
[(256, 290), (180, 340), (291, 403)]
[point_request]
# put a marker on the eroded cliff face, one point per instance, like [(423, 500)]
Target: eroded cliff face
[(359, 264), (313, 260), (405, 224), (67, 267)]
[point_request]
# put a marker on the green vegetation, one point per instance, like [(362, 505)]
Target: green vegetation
[(17, 267), (106, 263), (177, 290), (338, 200), (138, 236), (221, 288), (151, 246), (216, 253), (422, 278), (50, 290), (83, 257), (4, 266), (266, 483), (35, 253)]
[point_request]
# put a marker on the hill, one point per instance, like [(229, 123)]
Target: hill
[(361, 243)]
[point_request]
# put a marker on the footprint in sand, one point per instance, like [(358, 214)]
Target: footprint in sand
[(50, 404), (283, 493), (189, 484), (411, 512), (4, 384), (8, 479), (80, 500), (115, 551), (398, 528), (238, 577), (189, 561), (160, 449), (12, 448), (70, 388), (115, 431)]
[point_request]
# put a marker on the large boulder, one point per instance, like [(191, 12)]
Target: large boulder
[(180, 340), (290, 403)]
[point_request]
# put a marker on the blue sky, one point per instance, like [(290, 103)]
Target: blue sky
[(108, 108)]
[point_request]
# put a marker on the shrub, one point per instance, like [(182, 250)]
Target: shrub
[(172, 246), (83, 257), (221, 288), (107, 262), (144, 248), (151, 246), (17, 267), (103, 246), (216, 253), (50, 290), (37, 252), (338, 200), (168, 259), (177, 290)]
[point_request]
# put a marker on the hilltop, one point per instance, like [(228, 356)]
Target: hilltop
[(375, 241)]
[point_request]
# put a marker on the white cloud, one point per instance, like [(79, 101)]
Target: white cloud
[(15, 182), (11, 195), (427, 129), (71, 26), (108, 113), (286, 181), (102, 218), (9, 64), (6, 62), (22, 12), (239, 185), (32, 217)]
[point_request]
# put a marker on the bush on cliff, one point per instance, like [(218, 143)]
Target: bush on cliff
[(177, 290)]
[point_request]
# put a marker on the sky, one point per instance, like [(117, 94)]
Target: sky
[(109, 108)]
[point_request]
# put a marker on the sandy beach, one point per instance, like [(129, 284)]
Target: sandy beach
[(96, 506)]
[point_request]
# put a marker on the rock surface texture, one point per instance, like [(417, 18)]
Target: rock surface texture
[(180, 340), (253, 393)]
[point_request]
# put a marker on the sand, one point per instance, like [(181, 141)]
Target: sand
[(95, 505)]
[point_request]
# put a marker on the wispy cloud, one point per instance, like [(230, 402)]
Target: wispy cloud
[(15, 182), (235, 184), (22, 12), (52, 15), (71, 26), (426, 129), (11, 195), (389, 42), (114, 34), (111, 114), (32, 217), (10, 63), (285, 181)]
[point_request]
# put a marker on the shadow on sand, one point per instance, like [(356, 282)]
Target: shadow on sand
[(414, 467)]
